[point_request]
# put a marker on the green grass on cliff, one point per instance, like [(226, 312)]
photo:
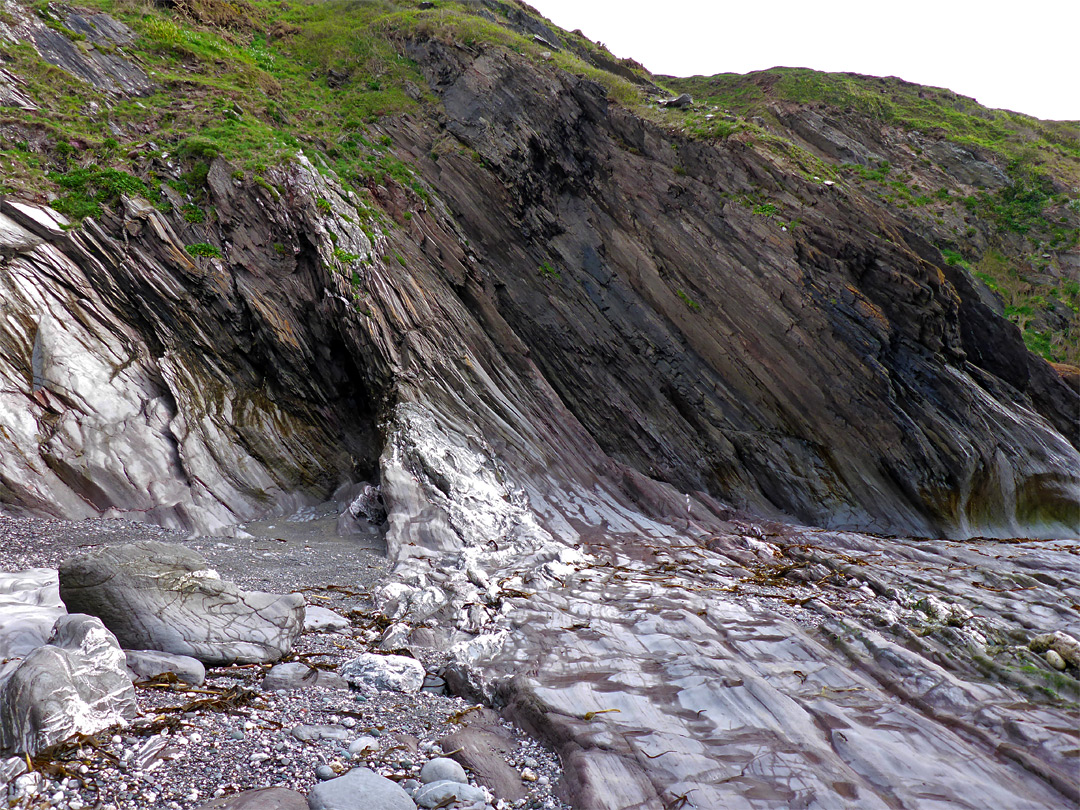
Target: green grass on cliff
[(257, 81), (931, 110), (1021, 224)]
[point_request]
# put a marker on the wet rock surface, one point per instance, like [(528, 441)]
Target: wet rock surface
[(737, 679), (163, 597)]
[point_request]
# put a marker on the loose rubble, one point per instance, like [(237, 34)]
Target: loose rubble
[(259, 736)]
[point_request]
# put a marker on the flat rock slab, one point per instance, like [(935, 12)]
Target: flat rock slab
[(262, 799), (295, 675), (359, 789), (76, 684), (384, 673), (146, 664), (157, 596), (483, 753), (323, 620)]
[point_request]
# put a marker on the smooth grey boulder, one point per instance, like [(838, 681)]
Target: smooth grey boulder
[(295, 675), (385, 673), (261, 799), (146, 664), (359, 789), (320, 619), (440, 794), (442, 769), (76, 684), (156, 596)]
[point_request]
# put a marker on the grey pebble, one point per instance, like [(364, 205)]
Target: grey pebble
[(442, 769)]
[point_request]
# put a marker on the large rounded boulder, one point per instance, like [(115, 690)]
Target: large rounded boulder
[(157, 596)]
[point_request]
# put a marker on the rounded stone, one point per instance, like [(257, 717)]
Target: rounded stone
[(442, 793), (442, 769), (359, 789), (1054, 659), (324, 773)]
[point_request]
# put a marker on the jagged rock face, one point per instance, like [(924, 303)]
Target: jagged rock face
[(76, 684), (141, 382), (155, 596), (832, 371)]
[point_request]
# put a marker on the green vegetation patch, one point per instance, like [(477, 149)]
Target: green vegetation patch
[(87, 189), (203, 250)]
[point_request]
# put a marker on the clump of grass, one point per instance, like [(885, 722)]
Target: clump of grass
[(87, 189), (693, 305), (204, 250)]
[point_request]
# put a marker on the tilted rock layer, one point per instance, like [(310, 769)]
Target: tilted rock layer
[(575, 366)]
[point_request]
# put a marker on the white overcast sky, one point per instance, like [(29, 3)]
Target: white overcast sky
[(1020, 55)]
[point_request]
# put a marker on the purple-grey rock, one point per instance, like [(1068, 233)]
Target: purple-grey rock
[(484, 753), (76, 684), (156, 596), (295, 675)]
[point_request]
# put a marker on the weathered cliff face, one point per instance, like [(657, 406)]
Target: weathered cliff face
[(577, 368), (143, 382), (831, 370)]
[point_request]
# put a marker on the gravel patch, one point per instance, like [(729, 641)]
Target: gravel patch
[(191, 745)]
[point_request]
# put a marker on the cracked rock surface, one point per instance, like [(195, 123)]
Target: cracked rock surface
[(155, 596)]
